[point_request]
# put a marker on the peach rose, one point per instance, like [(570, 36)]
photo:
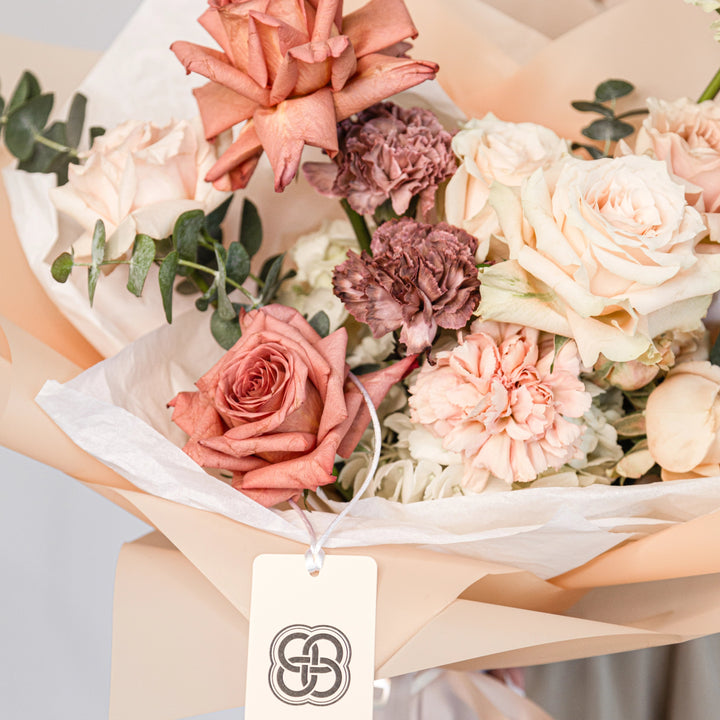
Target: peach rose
[(682, 419), (686, 136), (603, 251), (138, 178), (503, 399), (278, 406), (293, 69), (492, 150)]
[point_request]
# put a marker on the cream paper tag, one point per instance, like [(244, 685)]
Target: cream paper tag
[(311, 649)]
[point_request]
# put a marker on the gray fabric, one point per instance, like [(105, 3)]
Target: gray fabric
[(677, 682)]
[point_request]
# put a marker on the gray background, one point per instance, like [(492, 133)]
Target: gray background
[(59, 541)]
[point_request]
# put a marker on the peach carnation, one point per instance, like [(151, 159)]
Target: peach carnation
[(504, 399)]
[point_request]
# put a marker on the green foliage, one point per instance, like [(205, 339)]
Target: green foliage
[(37, 146), (610, 127), (251, 233), (141, 261), (215, 218), (62, 267), (97, 257), (715, 352), (166, 279), (225, 332), (320, 323), (25, 124), (194, 253), (612, 90)]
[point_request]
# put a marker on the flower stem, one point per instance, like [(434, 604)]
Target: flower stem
[(359, 226), (712, 89), (210, 271), (55, 146)]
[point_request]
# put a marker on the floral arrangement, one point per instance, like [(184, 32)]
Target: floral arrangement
[(524, 311)]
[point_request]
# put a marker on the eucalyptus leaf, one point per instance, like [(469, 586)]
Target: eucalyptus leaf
[(62, 267), (25, 123), (631, 425), (187, 234), (251, 233), (186, 287), (166, 280), (2, 107), (585, 106), (320, 323), (715, 352), (594, 152), (141, 261), (238, 263), (560, 342), (613, 89), (95, 132), (44, 159), (214, 219), (271, 278), (608, 129), (96, 257), (225, 307), (27, 88), (76, 119), (225, 332)]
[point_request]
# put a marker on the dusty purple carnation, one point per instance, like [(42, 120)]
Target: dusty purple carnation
[(387, 152), (419, 277)]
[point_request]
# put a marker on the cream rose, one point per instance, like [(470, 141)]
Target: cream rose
[(138, 178), (683, 421), (602, 251), (494, 150), (686, 136)]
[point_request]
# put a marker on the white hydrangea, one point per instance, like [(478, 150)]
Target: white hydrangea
[(316, 255)]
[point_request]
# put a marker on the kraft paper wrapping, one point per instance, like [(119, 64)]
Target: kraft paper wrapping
[(182, 596)]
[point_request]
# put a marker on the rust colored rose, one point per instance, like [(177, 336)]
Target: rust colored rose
[(419, 277), (293, 69), (278, 407)]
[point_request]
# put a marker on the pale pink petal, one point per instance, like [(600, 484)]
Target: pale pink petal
[(378, 77), (377, 25)]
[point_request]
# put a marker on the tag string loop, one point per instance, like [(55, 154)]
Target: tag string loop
[(315, 556)]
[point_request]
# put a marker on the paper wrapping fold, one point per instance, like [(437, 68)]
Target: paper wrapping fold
[(433, 609)]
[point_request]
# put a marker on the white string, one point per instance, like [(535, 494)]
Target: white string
[(315, 556)]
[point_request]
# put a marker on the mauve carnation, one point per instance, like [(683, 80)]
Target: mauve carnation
[(503, 399), (418, 278), (387, 152)]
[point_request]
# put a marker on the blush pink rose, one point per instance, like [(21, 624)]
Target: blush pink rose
[(278, 407), (686, 136), (505, 400), (682, 419)]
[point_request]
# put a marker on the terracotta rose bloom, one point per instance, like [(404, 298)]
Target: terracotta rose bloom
[(278, 406), (293, 69)]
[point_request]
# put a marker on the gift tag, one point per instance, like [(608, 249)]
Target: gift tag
[(311, 649)]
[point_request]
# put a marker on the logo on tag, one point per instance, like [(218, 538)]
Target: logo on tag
[(310, 665)]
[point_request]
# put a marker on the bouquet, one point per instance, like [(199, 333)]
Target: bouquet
[(524, 312)]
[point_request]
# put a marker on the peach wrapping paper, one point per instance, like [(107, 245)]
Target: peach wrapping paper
[(434, 609)]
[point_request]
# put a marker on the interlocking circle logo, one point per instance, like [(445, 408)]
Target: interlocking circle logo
[(309, 665)]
